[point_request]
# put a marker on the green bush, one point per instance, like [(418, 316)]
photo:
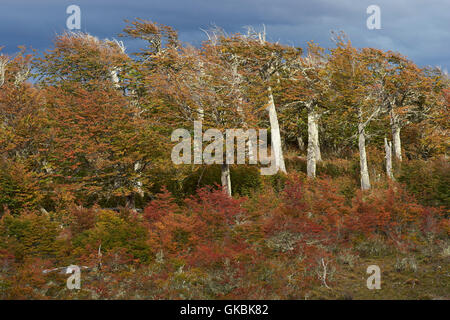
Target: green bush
[(113, 230), (30, 235), (245, 179), (334, 168), (295, 163), (18, 188), (427, 180)]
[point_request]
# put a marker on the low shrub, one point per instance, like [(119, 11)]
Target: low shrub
[(427, 180)]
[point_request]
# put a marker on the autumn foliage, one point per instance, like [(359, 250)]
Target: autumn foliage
[(86, 176)]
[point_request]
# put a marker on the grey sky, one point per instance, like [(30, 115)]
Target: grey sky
[(419, 29)]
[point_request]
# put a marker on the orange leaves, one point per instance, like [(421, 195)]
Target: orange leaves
[(391, 212), (163, 204), (205, 218), (313, 209), (156, 34), (273, 245), (19, 188), (170, 229), (82, 58), (95, 138)]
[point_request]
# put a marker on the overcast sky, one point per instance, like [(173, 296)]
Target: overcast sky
[(419, 29)]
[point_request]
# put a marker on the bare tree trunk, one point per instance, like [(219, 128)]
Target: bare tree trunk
[(114, 77), (226, 178), (397, 142), (388, 149), (3, 63), (311, 152), (365, 180), (275, 134), (315, 124), (395, 126)]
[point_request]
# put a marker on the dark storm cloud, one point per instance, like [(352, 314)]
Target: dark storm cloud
[(419, 29)]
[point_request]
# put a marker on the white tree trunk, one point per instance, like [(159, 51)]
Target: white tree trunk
[(388, 150), (397, 142), (311, 152), (315, 129), (275, 134), (3, 64), (395, 126), (226, 178), (365, 180), (114, 77)]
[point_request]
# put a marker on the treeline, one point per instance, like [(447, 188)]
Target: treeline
[(95, 126)]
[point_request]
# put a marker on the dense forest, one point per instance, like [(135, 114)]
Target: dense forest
[(358, 136)]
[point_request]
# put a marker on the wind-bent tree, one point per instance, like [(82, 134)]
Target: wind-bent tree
[(22, 134), (429, 115), (403, 85), (231, 61), (355, 79), (21, 124), (262, 64), (308, 88), (312, 65), (227, 102), (95, 138), (189, 84)]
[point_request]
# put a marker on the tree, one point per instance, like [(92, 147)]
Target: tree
[(22, 134), (307, 88), (355, 79), (262, 64), (189, 84), (427, 116), (97, 146), (388, 156), (404, 85), (20, 115)]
